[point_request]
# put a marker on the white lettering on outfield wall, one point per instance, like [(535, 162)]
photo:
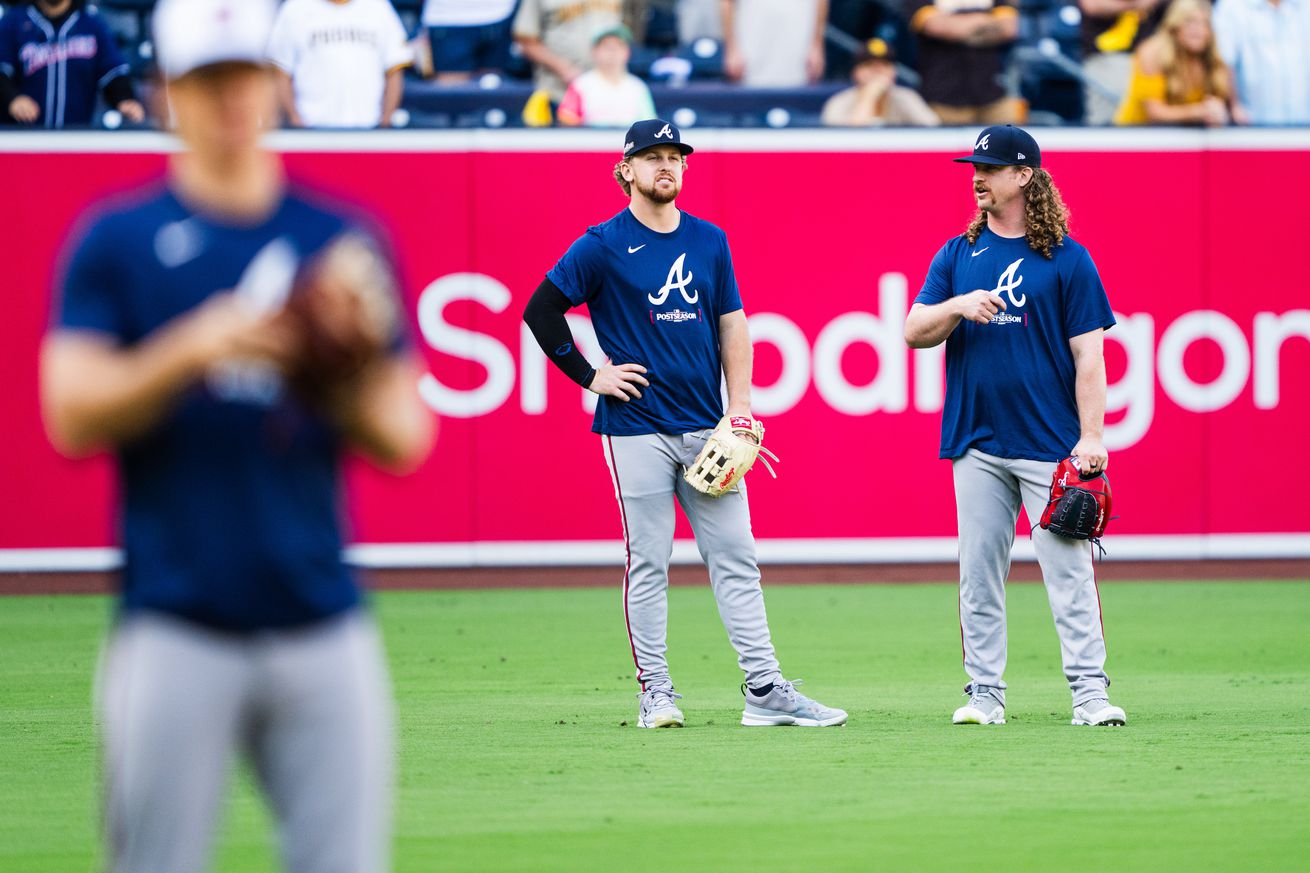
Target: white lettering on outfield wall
[(893, 386)]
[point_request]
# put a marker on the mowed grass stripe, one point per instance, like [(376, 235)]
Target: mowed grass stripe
[(514, 755)]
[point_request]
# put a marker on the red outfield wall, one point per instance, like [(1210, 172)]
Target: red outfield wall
[(1199, 246)]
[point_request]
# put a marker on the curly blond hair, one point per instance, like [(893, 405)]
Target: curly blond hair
[(1045, 215), (623, 183)]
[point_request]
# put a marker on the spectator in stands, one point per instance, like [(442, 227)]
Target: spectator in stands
[(773, 43), (607, 95), (555, 35), (699, 19), (1266, 43), (876, 99), (862, 20), (339, 62), (54, 57), (468, 36), (1111, 31), (1178, 76), (962, 46)]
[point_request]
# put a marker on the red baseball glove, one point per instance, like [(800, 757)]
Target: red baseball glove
[(1079, 507)]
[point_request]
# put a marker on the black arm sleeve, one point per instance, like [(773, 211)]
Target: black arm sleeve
[(544, 316), (8, 91), (119, 89)]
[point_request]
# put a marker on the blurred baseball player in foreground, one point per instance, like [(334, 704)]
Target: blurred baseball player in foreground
[(1023, 314), (663, 297), (240, 629)]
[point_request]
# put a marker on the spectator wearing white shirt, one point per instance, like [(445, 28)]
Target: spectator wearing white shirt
[(607, 95), (1267, 45), (773, 43), (340, 62), (468, 36)]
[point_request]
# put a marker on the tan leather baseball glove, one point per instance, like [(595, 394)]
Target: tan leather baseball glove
[(728, 456)]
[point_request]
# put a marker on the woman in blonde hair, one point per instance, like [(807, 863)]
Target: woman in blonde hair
[(1178, 76)]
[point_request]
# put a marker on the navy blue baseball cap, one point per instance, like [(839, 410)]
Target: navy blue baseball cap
[(1004, 145), (652, 132)]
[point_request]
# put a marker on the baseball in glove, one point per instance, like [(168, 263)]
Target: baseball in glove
[(1079, 507), (728, 456), (343, 309)]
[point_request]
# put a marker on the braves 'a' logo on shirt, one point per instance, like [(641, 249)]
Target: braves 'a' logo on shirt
[(676, 281), (1010, 280)]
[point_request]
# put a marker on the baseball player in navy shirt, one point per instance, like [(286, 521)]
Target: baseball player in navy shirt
[(663, 298), (55, 56), (1023, 314), (239, 628)]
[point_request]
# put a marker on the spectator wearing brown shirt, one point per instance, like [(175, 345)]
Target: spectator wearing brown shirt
[(962, 45)]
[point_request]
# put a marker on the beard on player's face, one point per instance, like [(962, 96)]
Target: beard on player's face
[(657, 193)]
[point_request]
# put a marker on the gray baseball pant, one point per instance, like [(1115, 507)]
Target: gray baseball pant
[(310, 707), (647, 472), (988, 493)]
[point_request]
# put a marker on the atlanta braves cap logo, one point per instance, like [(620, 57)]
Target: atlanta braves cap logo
[(653, 132), (1004, 145)]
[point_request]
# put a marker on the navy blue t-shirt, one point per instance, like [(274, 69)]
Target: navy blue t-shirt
[(1010, 384), (231, 503), (655, 300)]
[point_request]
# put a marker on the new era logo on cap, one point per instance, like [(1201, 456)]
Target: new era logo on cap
[(1003, 146), (653, 132)]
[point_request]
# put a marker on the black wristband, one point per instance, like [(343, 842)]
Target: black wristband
[(544, 316)]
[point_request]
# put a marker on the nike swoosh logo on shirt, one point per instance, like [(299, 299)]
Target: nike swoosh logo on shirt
[(979, 252), (637, 249)]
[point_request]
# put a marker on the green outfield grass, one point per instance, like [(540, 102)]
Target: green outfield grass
[(518, 750)]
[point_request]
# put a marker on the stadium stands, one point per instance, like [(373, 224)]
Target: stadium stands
[(1043, 68)]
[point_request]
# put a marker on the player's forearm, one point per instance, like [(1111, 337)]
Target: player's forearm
[(545, 317), (738, 361), (95, 396), (383, 417), (928, 326), (1090, 388)]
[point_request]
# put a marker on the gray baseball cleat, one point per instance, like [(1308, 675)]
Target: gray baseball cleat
[(657, 709), (1099, 712), (982, 708), (784, 705)]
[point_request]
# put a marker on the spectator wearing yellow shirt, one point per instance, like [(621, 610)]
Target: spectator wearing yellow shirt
[(1178, 75)]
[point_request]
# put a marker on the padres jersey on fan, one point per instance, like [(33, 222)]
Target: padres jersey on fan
[(1010, 383), (61, 65), (231, 501), (655, 300)]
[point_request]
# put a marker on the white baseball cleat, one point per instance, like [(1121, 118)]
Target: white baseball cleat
[(1099, 712), (982, 708), (657, 709), (784, 705)]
